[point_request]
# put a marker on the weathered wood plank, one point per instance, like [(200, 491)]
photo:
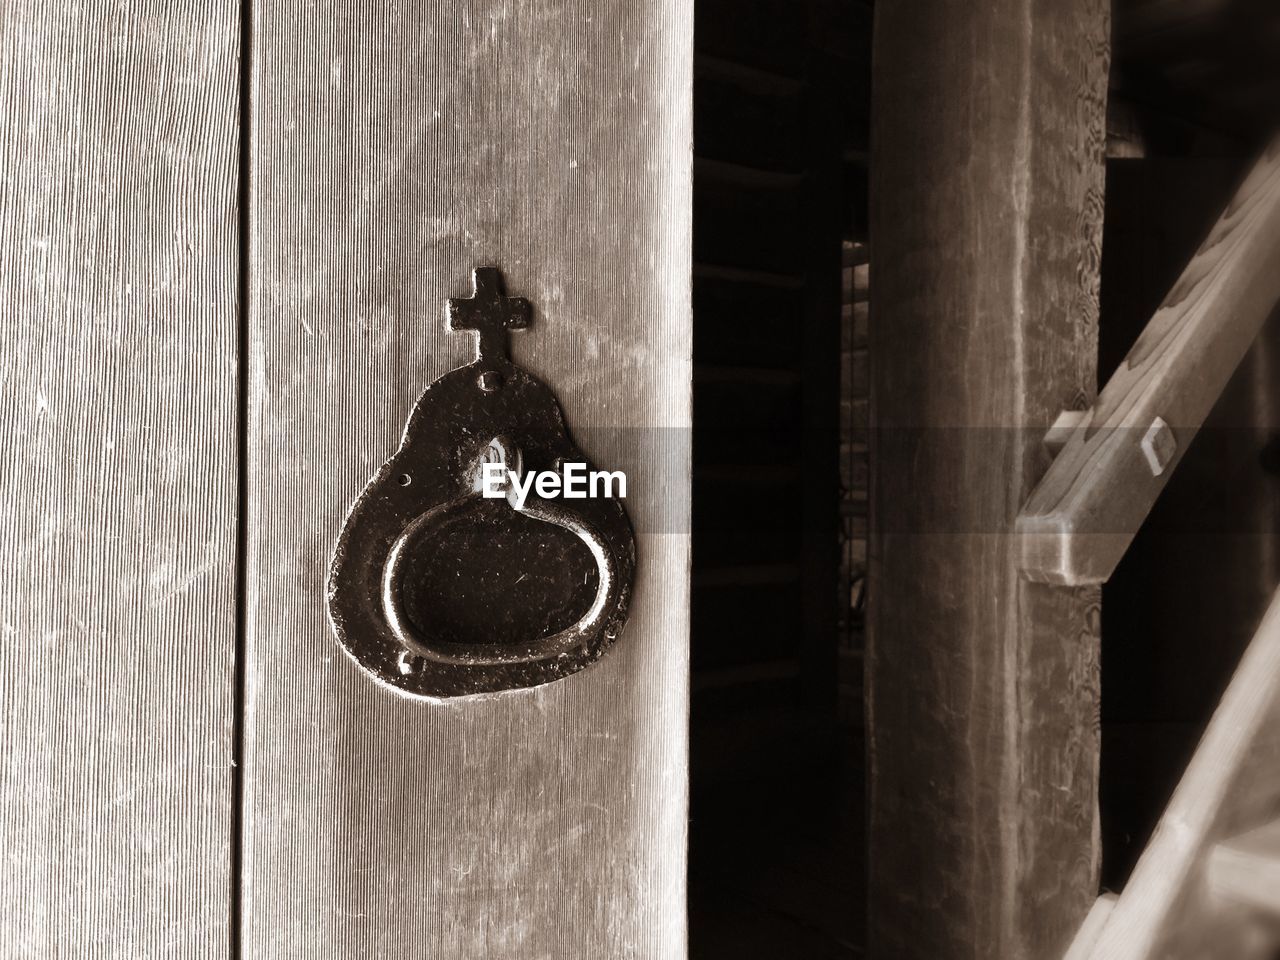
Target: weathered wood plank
[(1231, 784), (117, 476), (987, 192), (1083, 515), (396, 148)]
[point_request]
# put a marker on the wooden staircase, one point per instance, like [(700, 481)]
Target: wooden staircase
[(1208, 885)]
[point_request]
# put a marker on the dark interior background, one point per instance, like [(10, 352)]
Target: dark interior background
[(781, 97), (781, 106)]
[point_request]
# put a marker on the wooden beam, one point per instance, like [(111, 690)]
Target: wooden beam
[(1246, 869), (1232, 782), (1082, 517), (397, 146), (987, 193), (118, 320), (1083, 944)]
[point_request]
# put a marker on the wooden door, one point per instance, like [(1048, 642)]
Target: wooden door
[(210, 349), (118, 276)]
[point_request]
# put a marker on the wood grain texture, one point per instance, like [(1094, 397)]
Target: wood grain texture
[(987, 193), (1232, 785), (1081, 518), (395, 147), (118, 479)]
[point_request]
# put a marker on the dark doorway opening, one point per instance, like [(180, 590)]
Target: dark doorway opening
[(781, 97)]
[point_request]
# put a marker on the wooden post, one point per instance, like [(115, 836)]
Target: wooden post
[(395, 148), (117, 477), (987, 197)]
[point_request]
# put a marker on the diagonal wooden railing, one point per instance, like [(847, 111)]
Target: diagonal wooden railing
[(1216, 849), (1116, 457), (1215, 855)]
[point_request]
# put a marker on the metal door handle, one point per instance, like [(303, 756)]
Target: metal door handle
[(486, 411), (564, 643)]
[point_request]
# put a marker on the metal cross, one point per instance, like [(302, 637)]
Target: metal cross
[(489, 312)]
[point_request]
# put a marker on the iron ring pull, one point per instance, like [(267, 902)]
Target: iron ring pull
[(401, 627), (578, 637)]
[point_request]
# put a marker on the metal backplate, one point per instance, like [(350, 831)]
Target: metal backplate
[(437, 591)]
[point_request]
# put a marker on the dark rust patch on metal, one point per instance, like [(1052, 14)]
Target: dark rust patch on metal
[(437, 591)]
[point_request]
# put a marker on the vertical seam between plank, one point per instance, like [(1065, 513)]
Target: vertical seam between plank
[(243, 225)]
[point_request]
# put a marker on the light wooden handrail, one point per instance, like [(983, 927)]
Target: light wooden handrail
[(1245, 869), (1116, 458), (1228, 783)]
